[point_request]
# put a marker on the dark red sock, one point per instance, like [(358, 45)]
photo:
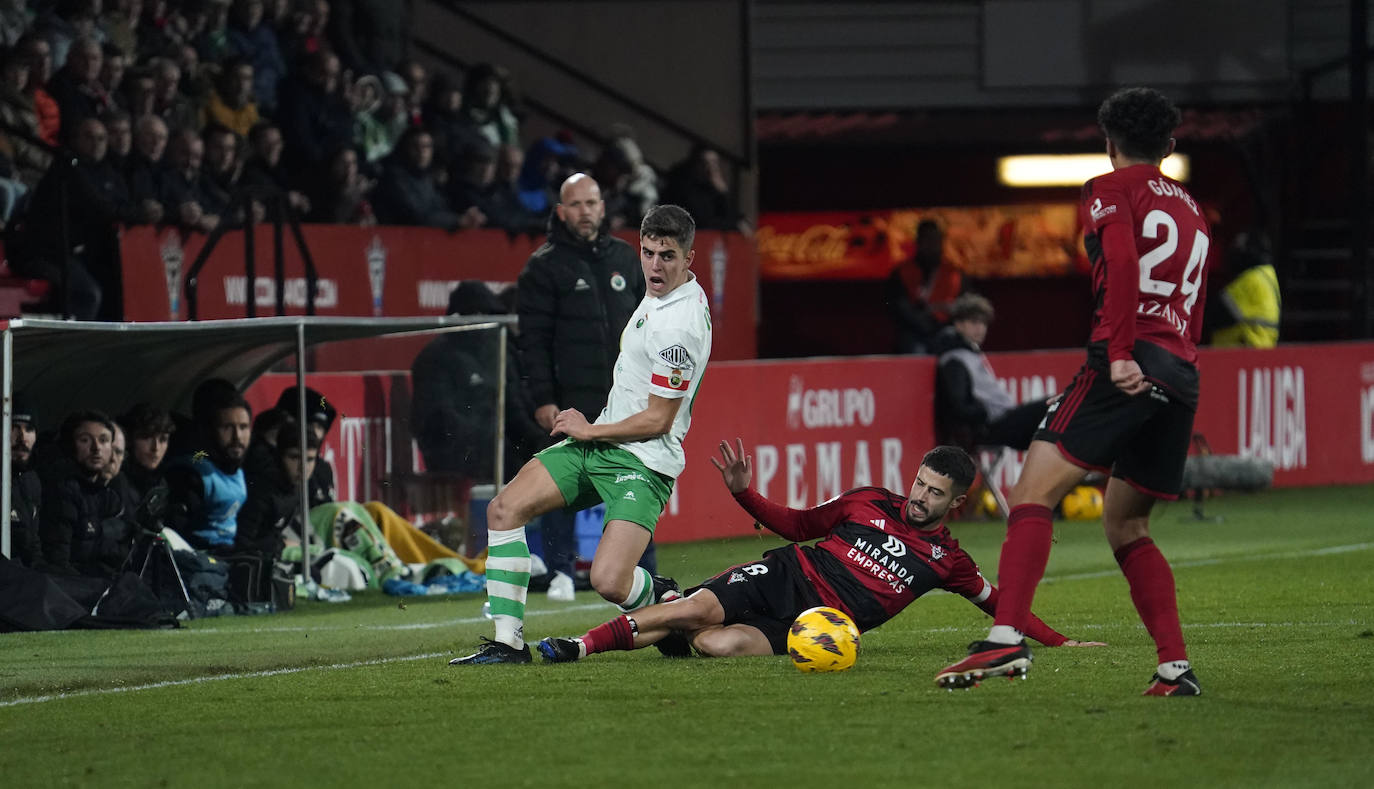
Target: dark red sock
[(1152, 591), (1025, 552), (615, 634)]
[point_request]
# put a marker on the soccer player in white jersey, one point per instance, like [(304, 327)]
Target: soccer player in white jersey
[(628, 458)]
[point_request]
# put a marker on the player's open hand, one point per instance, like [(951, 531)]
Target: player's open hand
[(571, 423), (736, 468), (1073, 643), (1128, 378)]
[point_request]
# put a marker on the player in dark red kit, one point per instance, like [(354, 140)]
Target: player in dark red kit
[(1129, 410), (878, 553)]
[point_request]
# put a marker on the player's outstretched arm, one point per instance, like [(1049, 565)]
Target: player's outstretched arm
[(736, 471), (655, 420), (735, 467)]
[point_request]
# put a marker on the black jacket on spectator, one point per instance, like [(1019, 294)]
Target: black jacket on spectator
[(271, 506), (82, 530), (407, 197), (74, 100), (178, 189), (575, 299), (313, 124), (97, 200), (144, 177), (27, 493), (371, 35), (453, 408)]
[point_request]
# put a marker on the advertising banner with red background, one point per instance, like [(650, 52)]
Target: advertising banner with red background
[(820, 426), (1033, 240), (392, 271), (1307, 409)]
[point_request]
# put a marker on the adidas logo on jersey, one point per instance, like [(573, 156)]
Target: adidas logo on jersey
[(582, 285), (881, 523)]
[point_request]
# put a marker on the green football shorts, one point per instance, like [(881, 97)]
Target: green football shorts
[(590, 472)]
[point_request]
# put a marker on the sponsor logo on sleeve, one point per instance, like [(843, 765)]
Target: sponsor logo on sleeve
[(676, 356), (1099, 211)]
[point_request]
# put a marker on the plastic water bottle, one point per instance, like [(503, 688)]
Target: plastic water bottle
[(486, 609)]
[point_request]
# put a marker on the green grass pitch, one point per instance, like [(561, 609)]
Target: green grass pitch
[(1277, 603)]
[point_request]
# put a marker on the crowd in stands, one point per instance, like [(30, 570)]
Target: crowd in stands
[(161, 111)]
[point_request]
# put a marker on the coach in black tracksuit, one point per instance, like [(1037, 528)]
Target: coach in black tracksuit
[(575, 295)]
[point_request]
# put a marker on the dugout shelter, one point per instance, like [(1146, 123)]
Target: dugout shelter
[(64, 366)]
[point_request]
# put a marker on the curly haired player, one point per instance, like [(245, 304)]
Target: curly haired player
[(1129, 410)]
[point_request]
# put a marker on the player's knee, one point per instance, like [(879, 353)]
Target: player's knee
[(716, 642), (501, 516), (1124, 531), (609, 585)]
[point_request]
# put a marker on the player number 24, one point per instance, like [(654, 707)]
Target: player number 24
[(1158, 221)]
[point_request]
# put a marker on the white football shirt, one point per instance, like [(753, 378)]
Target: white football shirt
[(663, 351)]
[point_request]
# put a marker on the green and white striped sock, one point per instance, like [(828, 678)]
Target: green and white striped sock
[(508, 582), (641, 591)]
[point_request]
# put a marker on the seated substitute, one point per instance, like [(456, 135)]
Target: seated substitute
[(274, 503), (26, 490), (878, 553), (971, 408), (207, 487), (80, 525)]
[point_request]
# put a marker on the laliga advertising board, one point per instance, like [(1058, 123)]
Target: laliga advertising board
[(816, 428)]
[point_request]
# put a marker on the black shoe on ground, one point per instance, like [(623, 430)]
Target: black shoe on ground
[(560, 650), (986, 659), (1185, 685), (674, 645), (666, 589), (493, 652)]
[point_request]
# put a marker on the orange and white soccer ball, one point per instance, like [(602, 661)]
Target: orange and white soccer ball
[(823, 639)]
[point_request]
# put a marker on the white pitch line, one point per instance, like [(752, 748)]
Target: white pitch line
[(474, 620), (276, 672), (1187, 563)]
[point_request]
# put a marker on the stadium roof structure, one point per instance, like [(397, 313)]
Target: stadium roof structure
[(64, 366)]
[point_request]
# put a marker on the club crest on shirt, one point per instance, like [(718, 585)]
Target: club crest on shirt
[(676, 356), (617, 282), (675, 379), (640, 323)]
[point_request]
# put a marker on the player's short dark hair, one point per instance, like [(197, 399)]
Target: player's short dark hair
[(971, 307), (671, 222), (954, 463), (289, 437), (1139, 121), (146, 421)]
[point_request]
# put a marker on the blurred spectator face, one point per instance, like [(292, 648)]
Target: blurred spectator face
[(112, 72), (121, 134), (291, 464), (321, 18), (450, 99), (91, 140), (975, 330), (221, 151), (22, 439), (148, 451), (152, 137), (580, 207), (187, 153), (40, 62), (15, 75), (488, 92), (324, 72), (217, 16), (417, 79), (91, 447), (344, 167), (166, 80), (142, 93), (508, 162), (232, 426), (708, 166), (274, 11), (239, 85), (117, 448), (420, 150), (84, 60), (248, 13), (268, 145), (188, 59)]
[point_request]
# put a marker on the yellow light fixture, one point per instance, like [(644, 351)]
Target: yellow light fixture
[(1071, 169)]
